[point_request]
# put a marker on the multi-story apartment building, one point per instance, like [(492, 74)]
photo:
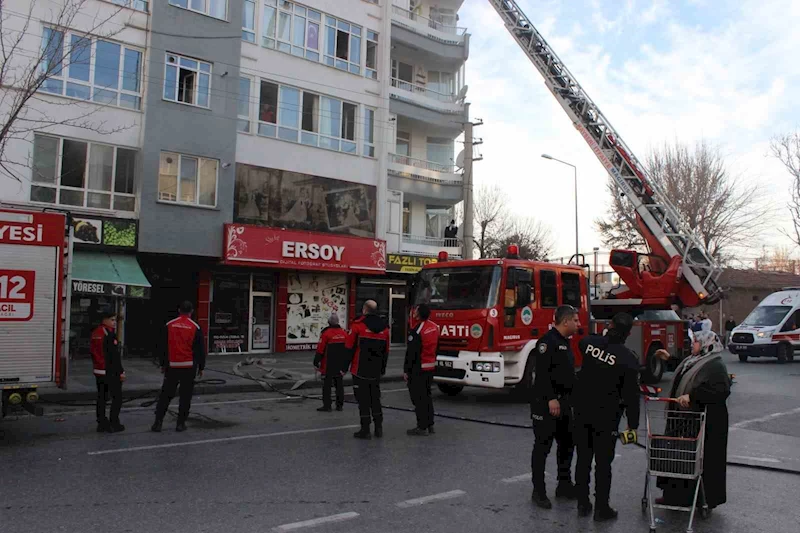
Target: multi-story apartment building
[(272, 161)]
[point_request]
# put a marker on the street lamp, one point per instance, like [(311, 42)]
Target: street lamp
[(575, 172)]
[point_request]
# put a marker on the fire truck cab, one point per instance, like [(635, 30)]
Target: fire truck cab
[(491, 312)]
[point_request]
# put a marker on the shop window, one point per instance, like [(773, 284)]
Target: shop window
[(230, 313), (312, 299)]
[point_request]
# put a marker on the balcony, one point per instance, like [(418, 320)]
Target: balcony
[(430, 246), (419, 169), (422, 96), (433, 29)]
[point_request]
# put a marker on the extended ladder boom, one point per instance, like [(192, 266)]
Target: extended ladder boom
[(660, 218)]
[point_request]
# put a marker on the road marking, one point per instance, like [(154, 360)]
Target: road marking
[(767, 418), (760, 459), (517, 479), (194, 404), (316, 522), (224, 439), (432, 498)]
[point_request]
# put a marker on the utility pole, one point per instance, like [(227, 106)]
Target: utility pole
[(469, 159)]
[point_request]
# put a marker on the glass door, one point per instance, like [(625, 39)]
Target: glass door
[(399, 319), (261, 322)]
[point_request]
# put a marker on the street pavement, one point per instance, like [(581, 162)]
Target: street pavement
[(264, 462)]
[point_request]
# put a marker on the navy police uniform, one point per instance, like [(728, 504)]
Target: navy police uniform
[(554, 380), (608, 378)]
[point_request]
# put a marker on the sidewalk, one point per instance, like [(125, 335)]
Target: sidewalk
[(224, 373)]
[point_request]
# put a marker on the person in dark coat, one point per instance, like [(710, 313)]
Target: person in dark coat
[(108, 372), (332, 359), (451, 234), (702, 381)]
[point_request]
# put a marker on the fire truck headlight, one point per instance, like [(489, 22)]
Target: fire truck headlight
[(496, 367)]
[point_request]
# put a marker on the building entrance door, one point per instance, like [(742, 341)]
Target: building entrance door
[(399, 318), (261, 322)]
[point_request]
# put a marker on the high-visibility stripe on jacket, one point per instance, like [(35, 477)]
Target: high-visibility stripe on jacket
[(184, 344)]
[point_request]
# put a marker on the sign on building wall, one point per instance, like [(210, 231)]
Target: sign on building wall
[(407, 264), (298, 250), (107, 232)]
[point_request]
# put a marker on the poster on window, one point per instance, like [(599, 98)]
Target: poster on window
[(292, 200), (312, 299), (261, 336)]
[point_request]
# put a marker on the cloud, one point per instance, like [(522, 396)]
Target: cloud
[(659, 71)]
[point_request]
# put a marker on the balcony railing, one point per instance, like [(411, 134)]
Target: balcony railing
[(431, 241), (433, 24), (421, 163), (423, 91)]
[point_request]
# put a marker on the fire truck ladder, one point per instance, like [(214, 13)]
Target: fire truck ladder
[(651, 204)]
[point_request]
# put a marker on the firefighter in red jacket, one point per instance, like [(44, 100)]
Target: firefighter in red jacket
[(419, 367), (331, 360), (108, 372), (182, 358), (369, 337)]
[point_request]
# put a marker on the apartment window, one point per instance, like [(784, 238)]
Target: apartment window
[(403, 144), (371, 70), (437, 217), (78, 173), (307, 117), (187, 81), (187, 179), (369, 132), (138, 5), (343, 45), (291, 28), (441, 82), (101, 71), (406, 218), (243, 104), (440, 150), (213, 8), (249, 21), (402, 75)]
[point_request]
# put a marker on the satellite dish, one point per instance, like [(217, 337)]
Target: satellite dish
[(462, 93), (460, 159)]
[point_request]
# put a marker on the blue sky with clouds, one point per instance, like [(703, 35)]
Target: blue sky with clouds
[(720, 71)]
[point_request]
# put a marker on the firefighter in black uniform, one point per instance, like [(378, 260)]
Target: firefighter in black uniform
[(609, 377), (550, 405)]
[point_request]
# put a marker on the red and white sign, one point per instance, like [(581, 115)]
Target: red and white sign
[(302, 250), (38, 229), (16, 295)]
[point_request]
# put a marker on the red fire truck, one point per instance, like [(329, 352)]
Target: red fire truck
[(34, 296)]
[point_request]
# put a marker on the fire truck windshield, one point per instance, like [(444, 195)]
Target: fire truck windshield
[(458, 287), (766, 315)]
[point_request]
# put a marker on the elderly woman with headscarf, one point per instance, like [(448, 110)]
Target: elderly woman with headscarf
[(701, 382)]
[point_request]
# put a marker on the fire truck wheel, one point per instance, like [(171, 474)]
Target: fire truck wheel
[(743, 357), (654, 366), (450, 390), (784, 353)]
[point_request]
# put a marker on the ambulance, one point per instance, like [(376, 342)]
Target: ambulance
[(771, 330)]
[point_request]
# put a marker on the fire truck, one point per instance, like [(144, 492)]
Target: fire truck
[(492, 311), (34, 310)]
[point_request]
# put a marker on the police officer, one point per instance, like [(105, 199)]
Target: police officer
[(550, 405), (608, 379), (331, 360), (418, 369), (183, 358), (108, 372), (369, 340)]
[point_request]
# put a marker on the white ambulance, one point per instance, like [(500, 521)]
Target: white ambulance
[(772, 329)]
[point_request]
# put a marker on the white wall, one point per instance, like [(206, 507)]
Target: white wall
[(125, 26)]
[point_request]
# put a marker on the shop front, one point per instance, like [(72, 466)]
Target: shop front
[(279, 287), (105, 276)]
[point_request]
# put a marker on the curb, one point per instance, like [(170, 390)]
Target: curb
[(234, 388)]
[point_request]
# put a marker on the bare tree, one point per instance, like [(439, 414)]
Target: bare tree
[(722, 211), (534, 239), (489, 210), (786, 148), (25, 68)]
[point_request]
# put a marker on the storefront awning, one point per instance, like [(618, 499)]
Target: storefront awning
[(104, 274)]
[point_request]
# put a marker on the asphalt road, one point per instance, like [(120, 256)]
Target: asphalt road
[(260, 462)]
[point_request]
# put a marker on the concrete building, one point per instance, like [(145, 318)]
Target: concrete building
[(273, 173)]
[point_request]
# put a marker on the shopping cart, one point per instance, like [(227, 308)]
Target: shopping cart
[(675, 443)]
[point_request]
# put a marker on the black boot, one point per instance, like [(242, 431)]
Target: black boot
[(325, 409), (115, 427), (601, 514), (584, 508), (156, 427), (340, 408), (566, 489), (540, 499), (364, 432), (417, 432), (378, 430), (180, 427), (102, 426)]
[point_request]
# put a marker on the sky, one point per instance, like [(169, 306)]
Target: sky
[(660, 71)]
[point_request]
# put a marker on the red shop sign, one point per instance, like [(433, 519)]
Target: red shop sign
[(37, 229), (302, 250)]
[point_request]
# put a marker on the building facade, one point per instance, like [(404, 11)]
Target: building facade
[(275, 162)]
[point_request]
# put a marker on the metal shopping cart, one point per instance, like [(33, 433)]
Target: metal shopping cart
[(675, 443)]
